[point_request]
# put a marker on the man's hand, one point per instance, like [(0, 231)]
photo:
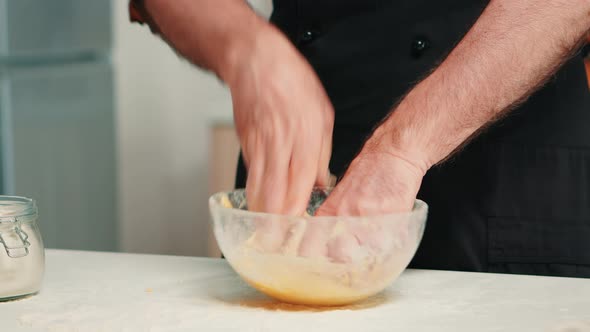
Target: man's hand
[(377, 182), (284, 120)]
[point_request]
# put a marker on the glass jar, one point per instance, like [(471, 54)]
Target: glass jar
[(22, 255)]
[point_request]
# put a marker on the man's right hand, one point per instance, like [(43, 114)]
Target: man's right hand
[(284, 121), (283, 116)]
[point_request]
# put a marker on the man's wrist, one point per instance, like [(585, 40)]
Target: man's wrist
[(239, 46), (395, 141)]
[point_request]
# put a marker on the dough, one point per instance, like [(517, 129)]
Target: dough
[(283, 274)]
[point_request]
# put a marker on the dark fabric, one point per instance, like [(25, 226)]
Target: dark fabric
[(517, 198)]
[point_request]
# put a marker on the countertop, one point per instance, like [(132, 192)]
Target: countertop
[(91, 291)]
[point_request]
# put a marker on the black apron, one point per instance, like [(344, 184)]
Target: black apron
[(514, 200)]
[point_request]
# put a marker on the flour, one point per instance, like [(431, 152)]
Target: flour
[(21, 275), (96, 292), (170, 308), (572, 327)]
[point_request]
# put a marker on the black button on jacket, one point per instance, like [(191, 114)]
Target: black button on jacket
[(517, 198)]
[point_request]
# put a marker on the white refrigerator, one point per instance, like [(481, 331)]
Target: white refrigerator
[(57, 130)]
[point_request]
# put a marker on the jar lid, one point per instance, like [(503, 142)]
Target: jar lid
[(15, 211), (13, 207)]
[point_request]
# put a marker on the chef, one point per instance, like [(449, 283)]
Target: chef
[(480, 108)]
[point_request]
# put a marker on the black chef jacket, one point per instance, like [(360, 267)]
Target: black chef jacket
[(517, 198)]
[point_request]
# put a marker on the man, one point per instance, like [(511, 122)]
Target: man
[(491, 126)]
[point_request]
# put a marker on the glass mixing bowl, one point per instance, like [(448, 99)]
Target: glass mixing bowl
[(315, 260)]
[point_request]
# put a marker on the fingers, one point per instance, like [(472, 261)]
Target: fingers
[(270, 233), (265, 192), (274, 184), (280, 178), (302, 175), (324, 177), (315, 240), (255, 175), (333, 181), (344, 248), (267, 182)]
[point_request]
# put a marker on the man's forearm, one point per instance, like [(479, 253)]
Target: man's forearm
[(209, 33), (509, 52)]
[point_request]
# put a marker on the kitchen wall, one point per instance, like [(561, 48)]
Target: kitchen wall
[(165, 109)]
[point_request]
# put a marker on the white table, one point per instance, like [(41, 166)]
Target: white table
[(90, 291)]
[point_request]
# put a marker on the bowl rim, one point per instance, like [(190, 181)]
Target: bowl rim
[(420, 208)]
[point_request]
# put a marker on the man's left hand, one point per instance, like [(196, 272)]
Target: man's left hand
[(377, 182)]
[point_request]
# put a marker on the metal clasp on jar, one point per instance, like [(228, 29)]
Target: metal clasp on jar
[(14, 239)]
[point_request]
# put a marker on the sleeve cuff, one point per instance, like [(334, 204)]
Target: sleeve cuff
[(135, 14)]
